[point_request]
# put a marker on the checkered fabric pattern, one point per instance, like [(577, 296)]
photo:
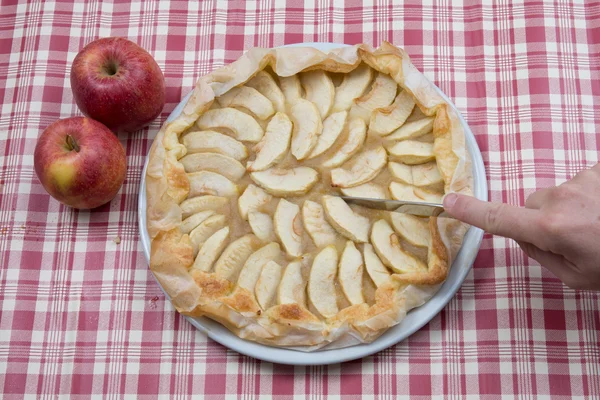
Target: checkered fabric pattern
[(81, 315)]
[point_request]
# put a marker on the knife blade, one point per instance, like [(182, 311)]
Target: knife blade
[(420, 209)]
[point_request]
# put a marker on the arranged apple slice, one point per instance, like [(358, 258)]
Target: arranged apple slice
[(321, 282), (401, 172), (412, 229), (227, 166), (377, 271), (350, 273), (206, 182), (413, 129), (332, 128), (292, 288), (357, 133), (353, 86), (274, 145), (307, 128), (428, 176), (319, 90), (288, 227), (205, 230), (351, 225), (286, 182), (388, 248), (254, 265), (368, 190), (202, 203), (242, 125), (401, 191), (266, 85), (248, 98), (188, 224), (211, 249), (315, 223), (266, 286), (381, 95), (252, 199), (412, 152), (387, 119), (365, 167), (262, 226), (214, 142), (291, 88), (235, 255)]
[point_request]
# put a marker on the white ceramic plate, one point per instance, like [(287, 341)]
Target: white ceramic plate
[(413, 321)]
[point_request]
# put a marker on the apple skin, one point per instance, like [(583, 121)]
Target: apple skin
[(87, 178), (117, 83)]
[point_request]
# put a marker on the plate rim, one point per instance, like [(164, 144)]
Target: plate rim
[(465, 258)]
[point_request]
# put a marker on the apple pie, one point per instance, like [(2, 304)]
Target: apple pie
[(244, 214)]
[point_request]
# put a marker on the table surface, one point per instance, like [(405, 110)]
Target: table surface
[(80, 313)]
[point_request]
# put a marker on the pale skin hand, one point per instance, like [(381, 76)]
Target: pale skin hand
[(559, 226)]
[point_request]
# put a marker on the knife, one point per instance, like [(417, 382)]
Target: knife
[(418, 208)]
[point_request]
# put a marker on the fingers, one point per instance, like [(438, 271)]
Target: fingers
[(536, 199), (517, 223)]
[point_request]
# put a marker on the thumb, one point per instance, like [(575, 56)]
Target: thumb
[(497, 218)]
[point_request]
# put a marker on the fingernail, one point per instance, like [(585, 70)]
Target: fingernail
[(450, 200)]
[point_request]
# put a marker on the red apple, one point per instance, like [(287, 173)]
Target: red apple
[(117, 83), (80, 162)]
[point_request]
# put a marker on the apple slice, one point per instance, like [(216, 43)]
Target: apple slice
[(266, 85), (413, 129), (252, 199), (428, 176), (357, 133), (235, 255), (319, 90), (291, 88), (274, 145), (211, 249), (351, 272), (377, 271), (286, 182), (262, 226), (315, 223), (368, 190), (307, 128), (351, 225), (388, 248), (254, 265), (412, 229), (412, 152), (401, 172), (188, 224), (288, 227), (321, 282), (381, 95), (242, 125), (353, 86), (214, 142), (364, 168), (332, 128), (387, 119), (202, 203), (292, 288), (227, 166), (401, 191), (206, 182), (266, 286), (248, 98), (205, 230)]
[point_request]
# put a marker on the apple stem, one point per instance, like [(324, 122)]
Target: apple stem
[(72, 144)]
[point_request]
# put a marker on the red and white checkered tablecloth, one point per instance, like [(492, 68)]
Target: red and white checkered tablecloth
[(81, 314)]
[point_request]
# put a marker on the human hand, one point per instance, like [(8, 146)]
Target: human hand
[(559, 226)]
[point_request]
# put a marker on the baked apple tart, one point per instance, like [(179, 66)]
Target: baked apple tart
[(244, 214)]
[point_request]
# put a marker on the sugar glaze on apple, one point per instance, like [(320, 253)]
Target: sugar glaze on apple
[(117, 83)]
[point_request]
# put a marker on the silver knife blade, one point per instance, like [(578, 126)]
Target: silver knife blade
[(417, 208)]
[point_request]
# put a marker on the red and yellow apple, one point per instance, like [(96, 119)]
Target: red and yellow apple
[(80, 162), (117, 83)]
